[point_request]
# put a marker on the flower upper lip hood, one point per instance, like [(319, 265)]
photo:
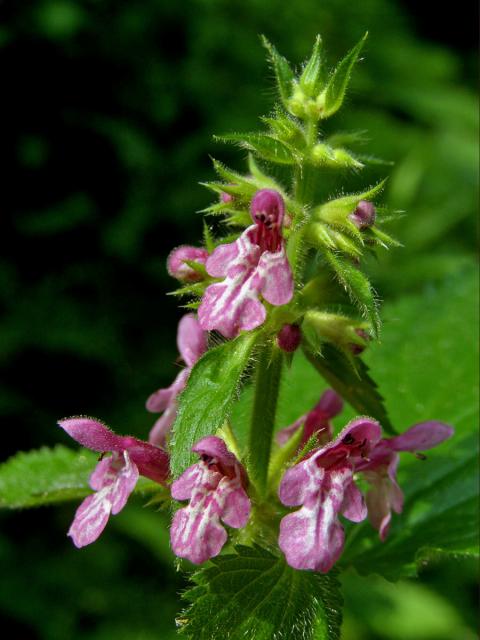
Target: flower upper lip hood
[(152, 461)]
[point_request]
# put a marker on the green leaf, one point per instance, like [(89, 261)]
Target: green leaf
[(254, 595), (358, 287), (207, 400), (47, 476), (355, 386), (283, 73), (334, 92), (310, 79), (266, 146)]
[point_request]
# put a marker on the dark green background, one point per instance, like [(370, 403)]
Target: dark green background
[(108, 109)]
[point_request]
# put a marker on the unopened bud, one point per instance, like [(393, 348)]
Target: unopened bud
[(364, 215), (226, 198), (289, 338), (177, 266), (355, 347)]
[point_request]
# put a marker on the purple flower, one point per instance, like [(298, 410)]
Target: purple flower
[(254, 265), (179, 269), (364, 215), (114, 478), (322, 484), (289, 338), (316, 421), (215, 488), (192, 344), (381, 470)]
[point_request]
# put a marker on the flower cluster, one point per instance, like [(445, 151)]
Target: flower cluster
[(241, 283)]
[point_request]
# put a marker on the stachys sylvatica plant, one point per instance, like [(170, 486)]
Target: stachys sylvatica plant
[(266, 509)]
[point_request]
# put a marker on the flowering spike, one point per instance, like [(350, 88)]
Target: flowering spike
[(215, 488)]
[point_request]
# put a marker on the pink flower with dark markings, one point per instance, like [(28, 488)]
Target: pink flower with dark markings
[(114, 478), (192, 344), (179, 269), (316, 421), (322, 484), (253, 266), (381, 470), (215, 487)]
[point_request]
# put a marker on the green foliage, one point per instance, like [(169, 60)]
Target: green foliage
[(47, 476), (357, 286), (283, 73), (355, 385), (334, 93), (310, 80), (254, 595), (208, 398), (266, 146)]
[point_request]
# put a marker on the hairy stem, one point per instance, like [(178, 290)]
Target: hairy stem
[(266, 385)]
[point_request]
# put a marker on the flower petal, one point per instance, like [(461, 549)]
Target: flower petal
[(92, 434), (422, 436), (191, 339), (312, 537), (300, 482), (353, 507), (277, 285), (236, 510), (221, 259), (91, 518), (330, 404), (152, 461), (182, 488), (162, 399), (124, 484), (196, 533)]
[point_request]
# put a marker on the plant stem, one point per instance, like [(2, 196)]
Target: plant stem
[(266, 385)]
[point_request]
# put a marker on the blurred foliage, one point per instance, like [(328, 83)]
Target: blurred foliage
[(108, 111)]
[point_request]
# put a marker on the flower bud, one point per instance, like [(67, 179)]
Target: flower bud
[(267, 207), (289, 337), (364, 214), (179, 269), (355, 347), (226, 198)]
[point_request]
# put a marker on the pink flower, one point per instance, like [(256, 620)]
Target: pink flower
[(254, 265), (192, 344), (114, 478), (179, 269), (312, 537), (381, 470), (316, 421), (215, 488)]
